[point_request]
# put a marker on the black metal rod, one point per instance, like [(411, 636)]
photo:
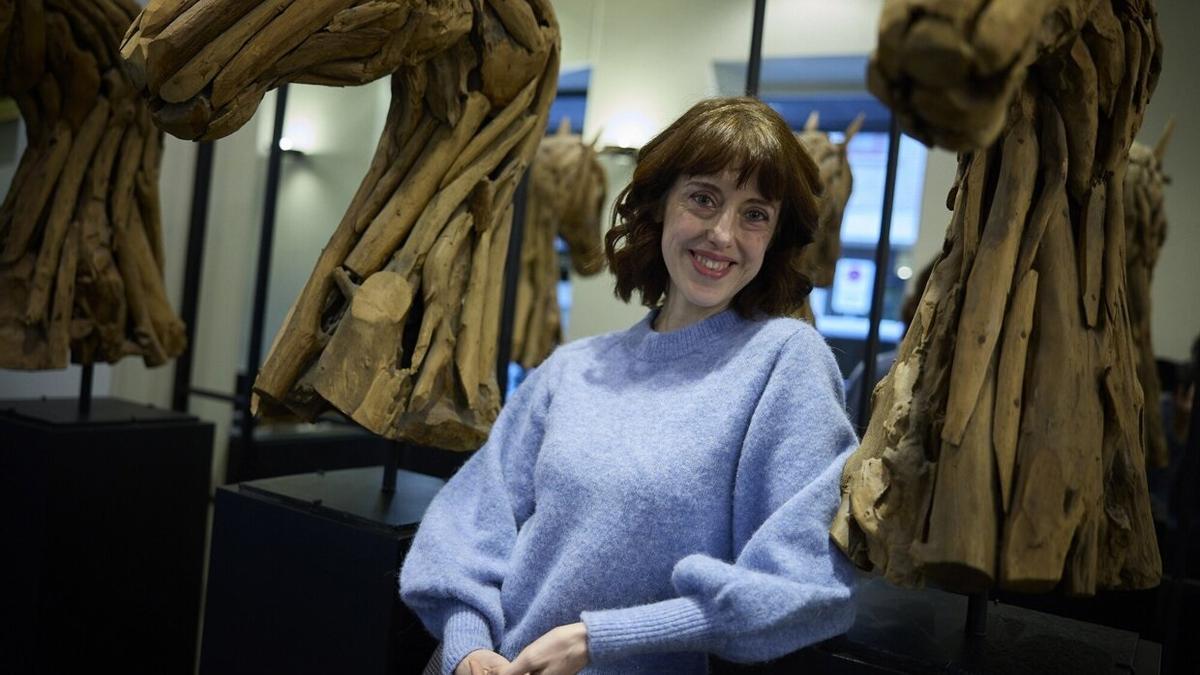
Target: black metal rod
[(390, 464), (882, 260), (266, 243), (512, 270), (977, 614), (193, 265), (754, 67), (85, 391)]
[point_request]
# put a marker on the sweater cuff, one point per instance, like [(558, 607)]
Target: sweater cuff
[(466, 630), (675, 625)]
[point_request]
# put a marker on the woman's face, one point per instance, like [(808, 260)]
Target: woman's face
[(715, 235)]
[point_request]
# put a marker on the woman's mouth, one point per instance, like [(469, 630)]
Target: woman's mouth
[(710, 267)]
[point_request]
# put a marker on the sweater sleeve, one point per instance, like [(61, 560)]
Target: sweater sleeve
[(788, 585), (452, 574)]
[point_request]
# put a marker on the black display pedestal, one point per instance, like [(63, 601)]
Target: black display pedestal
[(923, 631), (102, 520), (303, 576)]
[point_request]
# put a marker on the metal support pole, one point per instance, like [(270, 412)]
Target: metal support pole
[(85, 391), (512, 271), (390, 464), (188, 310), (263, 273), (977, 614), (754, 67), (882, 260)]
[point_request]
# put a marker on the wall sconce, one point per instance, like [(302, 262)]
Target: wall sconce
[(299, 137), (628, 129)]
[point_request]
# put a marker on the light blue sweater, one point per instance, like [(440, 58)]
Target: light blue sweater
[(671, 490)]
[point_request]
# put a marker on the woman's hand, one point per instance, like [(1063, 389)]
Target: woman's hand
[(481, 662), (562, 651)]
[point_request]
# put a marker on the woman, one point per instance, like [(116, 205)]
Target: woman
[(654, 494)]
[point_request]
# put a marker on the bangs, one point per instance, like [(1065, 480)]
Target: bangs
[(720, 143)]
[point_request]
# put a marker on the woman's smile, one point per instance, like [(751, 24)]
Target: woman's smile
[(711, 265)]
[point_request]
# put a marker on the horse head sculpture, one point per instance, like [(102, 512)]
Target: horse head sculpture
[(1005, 445), (820, 257), (81, 275), (566, 197), (424, 240)]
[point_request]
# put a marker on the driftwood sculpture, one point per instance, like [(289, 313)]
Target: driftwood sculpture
[(565, 198), (397, 326), (1145, 232), (1006, 444), (80, 229), (820, 257)]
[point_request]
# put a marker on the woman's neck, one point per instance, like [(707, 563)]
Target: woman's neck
[(676, 315)]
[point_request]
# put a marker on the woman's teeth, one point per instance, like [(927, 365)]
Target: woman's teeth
[(711, 264)]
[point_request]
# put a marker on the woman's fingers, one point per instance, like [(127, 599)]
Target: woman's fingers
[(562, 651), (481, 662)]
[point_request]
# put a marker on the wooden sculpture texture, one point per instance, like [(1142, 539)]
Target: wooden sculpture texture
[(820, 258), (81, 263), (566, 197), (1006, 444), (1145, 232), (397, 326)]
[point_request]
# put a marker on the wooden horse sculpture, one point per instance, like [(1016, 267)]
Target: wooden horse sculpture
[(566, 197), (820, 257), (1006, 443), (398, 324), (81, 263), (1145, 232)]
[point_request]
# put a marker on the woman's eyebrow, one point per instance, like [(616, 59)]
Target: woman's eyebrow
[(704, 184), (699, 182), (758, 200)]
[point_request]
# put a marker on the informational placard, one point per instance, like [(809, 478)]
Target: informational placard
[(853, 279)]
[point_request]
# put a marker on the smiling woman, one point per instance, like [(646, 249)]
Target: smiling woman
[(747, 155), (655, 494)]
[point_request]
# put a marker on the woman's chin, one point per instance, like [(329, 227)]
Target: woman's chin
[(708, 302)]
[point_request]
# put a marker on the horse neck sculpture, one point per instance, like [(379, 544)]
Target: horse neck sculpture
[(1005, 445), (566, 197), (398, 323), (82, 258)]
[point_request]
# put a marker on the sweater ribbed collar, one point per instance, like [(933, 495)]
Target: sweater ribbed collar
[(650, 345)]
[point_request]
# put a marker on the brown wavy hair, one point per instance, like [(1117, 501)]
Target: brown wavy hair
[(718, 134)]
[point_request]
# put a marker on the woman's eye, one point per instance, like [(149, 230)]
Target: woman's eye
[(703, 199), (757, 216)]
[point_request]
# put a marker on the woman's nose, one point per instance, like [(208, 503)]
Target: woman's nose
[(721, 232)]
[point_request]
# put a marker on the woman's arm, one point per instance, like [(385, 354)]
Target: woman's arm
[(452, 574), (788, 585)]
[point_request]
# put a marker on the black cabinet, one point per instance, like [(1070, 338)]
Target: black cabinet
[(303, 575), (102, 521)]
